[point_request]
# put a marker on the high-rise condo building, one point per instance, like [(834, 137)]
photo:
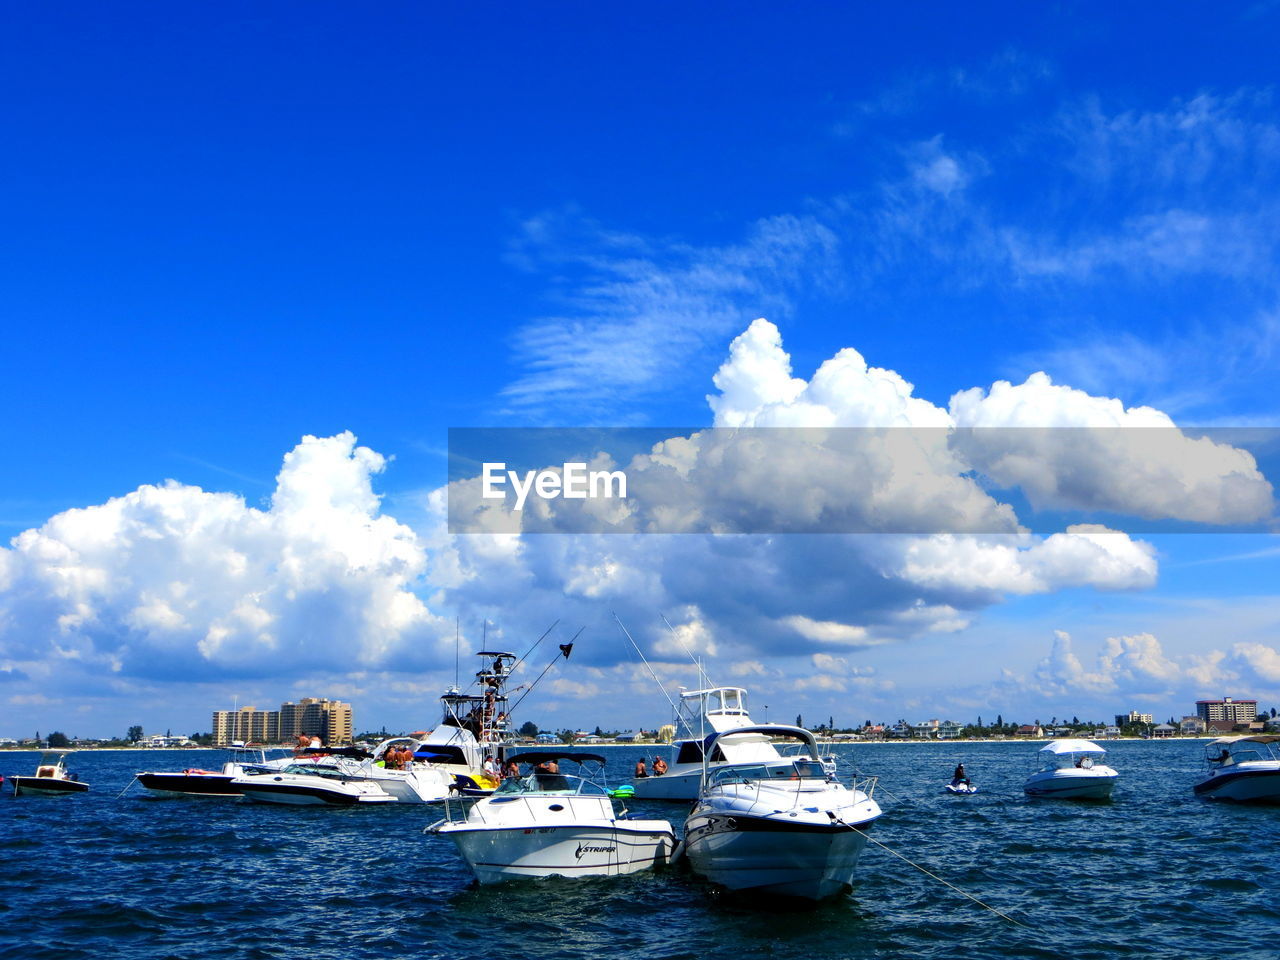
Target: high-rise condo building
[(1227, 710), (247, 724), (329, 720)]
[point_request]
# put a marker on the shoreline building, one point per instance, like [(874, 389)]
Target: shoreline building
[(330, 720), (247, 724), (1227, 710), (1133, 716)]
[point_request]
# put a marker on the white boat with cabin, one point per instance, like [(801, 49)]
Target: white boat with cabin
[(1242, 769), (783, 826), (713, 710), (1073, 770), (547, 823)]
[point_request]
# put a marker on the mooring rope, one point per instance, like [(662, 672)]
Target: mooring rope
[(1003, 916), (127, 786)]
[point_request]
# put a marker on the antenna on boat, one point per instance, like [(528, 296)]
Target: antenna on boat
[(703, 679), (646, 663)]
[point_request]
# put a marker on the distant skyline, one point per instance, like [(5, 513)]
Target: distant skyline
[(259, 261)]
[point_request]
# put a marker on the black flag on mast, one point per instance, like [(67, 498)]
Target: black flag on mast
[(566, 649)]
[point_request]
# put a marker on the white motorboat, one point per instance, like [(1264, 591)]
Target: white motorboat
[(714, 710), (196, 782), (1242, 769), (546, 823), (417, 781), (308, 784), (1073, 770), (51, 777), (784, 826)]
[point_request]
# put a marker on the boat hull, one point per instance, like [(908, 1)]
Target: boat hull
[(496, 855), (762, 855), (1242, 786), (1072, 784), (669, 786), (298, 794), (46, 786), (190, 785)]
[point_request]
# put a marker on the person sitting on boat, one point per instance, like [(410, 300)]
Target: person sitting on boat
[(641, 771), (659, 766), (489, 766), (548, 766), (960, 776), (1223, 758), (511, 769)]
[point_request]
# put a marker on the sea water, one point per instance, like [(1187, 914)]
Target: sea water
[(1154, 873)]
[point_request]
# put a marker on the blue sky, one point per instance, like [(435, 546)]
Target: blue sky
[(230, 228)]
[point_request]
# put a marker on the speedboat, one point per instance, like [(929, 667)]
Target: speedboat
[(308, 784), (51, 777), (1073, 770), (1242, 769), (546, 823), (714, 710), (785, 826), (195, 782)]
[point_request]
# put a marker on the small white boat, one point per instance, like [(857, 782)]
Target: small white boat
[(963, 788), (1073, 770), (546, 823), (783, 826), (1242, 769), (51, 777), (308, 785)]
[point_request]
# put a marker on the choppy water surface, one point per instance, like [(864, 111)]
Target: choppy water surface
[(1155, 873)]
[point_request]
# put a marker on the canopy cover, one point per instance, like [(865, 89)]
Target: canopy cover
[(1256, 738), (1072, 746)]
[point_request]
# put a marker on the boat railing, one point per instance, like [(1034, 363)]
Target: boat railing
[(867, 785)]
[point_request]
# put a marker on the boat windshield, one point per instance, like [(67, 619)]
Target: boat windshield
[(805, 769), (314, 770), (1244, 751), (551, 783)]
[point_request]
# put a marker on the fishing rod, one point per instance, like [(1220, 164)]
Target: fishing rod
[(565, 650), (702, 674), (674, 708), (528, 653)]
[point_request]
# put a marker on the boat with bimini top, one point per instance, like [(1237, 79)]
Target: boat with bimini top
[(545, 823), (1072, 770), (1242, 770)]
